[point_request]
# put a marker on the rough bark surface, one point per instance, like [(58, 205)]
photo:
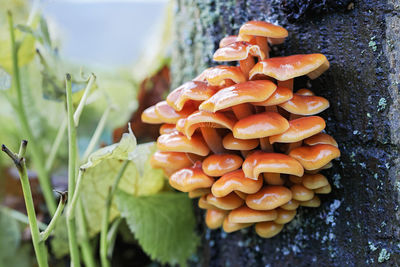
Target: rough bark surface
[(358, 223)]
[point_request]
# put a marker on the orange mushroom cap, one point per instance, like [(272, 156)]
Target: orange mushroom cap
[(251, 91), (281, 95), (203, 203), (150, 116), (169, 115), (235, 181), (232, 143), (228, 202), (218, 75), (291, 205), (260, 125), (215, 218), (323, 190), (193, 90), (207, 119), (220, 164), (285, 68), (321, 138), (172, 161), (238, 51), (305, 105), (189, 179), (199, 192), (315, 202), (228, 40), (284, 216), (269, 197), (301, 193), (268, 229), (299, 129), (246, 215), (314, 157), (259, 162), (230, 227), (305, 92), (314, 181), (167, 128), (264, 29), (177, 142)]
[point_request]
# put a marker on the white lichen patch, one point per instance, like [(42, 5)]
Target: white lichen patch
[(383, 256)]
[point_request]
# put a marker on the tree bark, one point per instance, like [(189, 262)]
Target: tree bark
[(358, 223)]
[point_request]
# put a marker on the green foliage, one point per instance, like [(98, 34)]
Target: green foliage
[(163, 224), (59, 243), (9, 236)]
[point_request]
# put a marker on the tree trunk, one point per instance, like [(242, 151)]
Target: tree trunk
[(358, 223)]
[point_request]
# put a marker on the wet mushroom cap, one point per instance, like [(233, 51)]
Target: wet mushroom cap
[(259, 162), (218, 75), (220, 164), (199, 192), (177, 142), (299, 129), (228, 40), (291, 205), (260, 125), (281, 95), (323, 190), (315, 202), (150, 116), (230, 227), (238, 51), (286, 68), (301, 193), (284, 216), (189, 179), (169, 115), (246, 215), (264, 29), (171, 160), (269, 198), (193, 90), (215, 218), (251, 91), (305, 105), (228, 202), (203, 204), (314, 157), (235, 181), (207, 119), (305, 91), (321, 138), (268, 229), (314, 181), (232, 143), (167, 128)]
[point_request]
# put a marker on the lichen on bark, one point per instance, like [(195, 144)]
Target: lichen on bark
[(358, 223)]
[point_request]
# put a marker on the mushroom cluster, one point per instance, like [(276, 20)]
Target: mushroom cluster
[(241, 141)]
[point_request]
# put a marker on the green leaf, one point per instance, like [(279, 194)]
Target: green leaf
[(5, 80), (101, 169), (59, 242), (26, 52), (9, 236), (163, 224)]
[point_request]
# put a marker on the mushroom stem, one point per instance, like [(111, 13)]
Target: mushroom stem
[(246, 65), (273, 178), (271, 108), (266, 145), (294, 145), (213, 139), (262, 42), (287, 84), (242, 111)]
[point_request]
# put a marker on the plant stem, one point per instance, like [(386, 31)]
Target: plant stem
[(86, 247), (112, 235), (19, 216), (104, 223), (46, 233), (36, 150), (72, 204), (39, 247), (56, 145), (82, 103), (72, 155)]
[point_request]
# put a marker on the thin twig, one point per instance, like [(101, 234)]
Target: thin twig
[(46, 233)]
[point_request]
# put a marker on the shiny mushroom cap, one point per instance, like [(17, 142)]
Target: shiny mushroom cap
[(171, 161), (269, 198), (284, 216), (285, 68), (228, 202), (299, 129), (169, 115), (215, 218), (314, 157), (260, 125), (246, 215), (218, 75), (199, 192), (291, 205), (167, 128), (189, 179), (314, 181), (177, 142), (305, 92), (235, 181), (150, 116), (259, 162), (315, 202), (230, 227), (323, 190), (232, 143), (268, 229), (228, 40), (301, 193), (238, 51), (203, 203), (281, 95), (220, 164), (305, 105), (207, 119), (275, 33), (252, 91), (193, 90), (321, 138)]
